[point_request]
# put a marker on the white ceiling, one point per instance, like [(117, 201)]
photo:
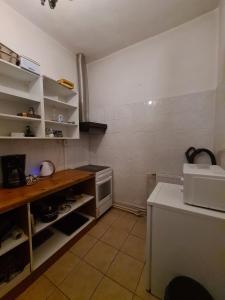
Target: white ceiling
[(100, 27)]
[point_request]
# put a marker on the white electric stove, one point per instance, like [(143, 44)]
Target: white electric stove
[(103, 181)]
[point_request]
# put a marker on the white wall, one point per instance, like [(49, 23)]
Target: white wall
[(177, 71), (220, 99), (57, 62)]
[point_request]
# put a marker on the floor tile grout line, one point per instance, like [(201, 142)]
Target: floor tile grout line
[(139, 278), (95, 242), (106, 275), (60, 292), (138, 236), (109, 264), (137, 259), (58, 287), (120, 248), (55, 287), (92, 294)]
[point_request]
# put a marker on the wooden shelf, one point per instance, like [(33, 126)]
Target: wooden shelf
[(47, 186), (15, 72), (13, 117), (11, 243), (59, 90), (54, 243), (83, 200), (60, 123), (57, 103)]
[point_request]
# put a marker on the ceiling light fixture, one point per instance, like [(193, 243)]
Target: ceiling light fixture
[(52, 3)]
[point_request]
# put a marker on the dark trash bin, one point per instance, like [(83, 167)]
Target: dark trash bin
[(185, 288)]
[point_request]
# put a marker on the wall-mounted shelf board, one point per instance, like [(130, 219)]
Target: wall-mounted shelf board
[(11, 243), (7, 94), (58, 103), (15, 72), (20, 138), (60, 123), (58, 89), (54, 243), (13, 117), (58, 138), (35, 138), (39, 226)]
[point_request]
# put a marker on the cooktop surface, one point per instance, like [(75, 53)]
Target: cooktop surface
[(92, 168)]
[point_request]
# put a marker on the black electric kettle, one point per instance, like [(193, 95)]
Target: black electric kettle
[(192, 153)]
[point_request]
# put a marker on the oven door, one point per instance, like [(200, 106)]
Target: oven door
[(103, 190)]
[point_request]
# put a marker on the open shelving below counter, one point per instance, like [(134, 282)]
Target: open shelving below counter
[(11, 243), (54, 243), (58, 103), (8, 286), (18, 118), (39, 226)]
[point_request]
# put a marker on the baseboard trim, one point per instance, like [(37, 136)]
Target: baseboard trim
[(139, 211)]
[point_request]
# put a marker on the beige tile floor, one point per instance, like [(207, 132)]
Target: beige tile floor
[(107, 263)]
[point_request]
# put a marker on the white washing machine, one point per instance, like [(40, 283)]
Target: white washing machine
[(183, 240)]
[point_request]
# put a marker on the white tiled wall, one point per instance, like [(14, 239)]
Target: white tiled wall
[(158, 99), (143, 139), (220, 99)]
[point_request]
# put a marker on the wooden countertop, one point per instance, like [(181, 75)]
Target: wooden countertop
[(15, 197)]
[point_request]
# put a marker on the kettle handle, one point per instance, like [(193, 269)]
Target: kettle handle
[(53, 166), (188, 154)]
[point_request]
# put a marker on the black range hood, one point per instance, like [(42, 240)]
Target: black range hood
[(85, 124), (93, 127)]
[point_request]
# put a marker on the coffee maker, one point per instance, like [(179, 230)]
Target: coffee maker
[(13, 170)]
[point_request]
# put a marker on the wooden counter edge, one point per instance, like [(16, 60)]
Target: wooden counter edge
[(46, 186)]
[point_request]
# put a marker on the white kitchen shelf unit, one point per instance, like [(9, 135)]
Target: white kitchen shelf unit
[(59, 100), (21, 89)]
